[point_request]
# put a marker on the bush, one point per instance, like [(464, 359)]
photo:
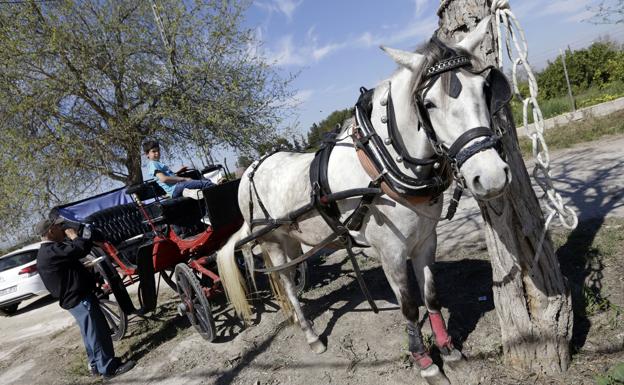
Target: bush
[(594, 66)]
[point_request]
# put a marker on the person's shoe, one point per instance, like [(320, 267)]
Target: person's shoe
[(193, 193), (93, 371), (121, 369)]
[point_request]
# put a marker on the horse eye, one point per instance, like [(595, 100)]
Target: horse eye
[(429, 104)]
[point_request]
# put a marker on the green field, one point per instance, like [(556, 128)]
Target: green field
[(560, 105)]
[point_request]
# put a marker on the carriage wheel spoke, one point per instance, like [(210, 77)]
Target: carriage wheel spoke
[(197, 305)]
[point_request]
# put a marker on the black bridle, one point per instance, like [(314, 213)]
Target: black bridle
[(457, 154), (498, 94)]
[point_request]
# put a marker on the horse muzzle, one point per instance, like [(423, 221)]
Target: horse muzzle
[(486, 175)]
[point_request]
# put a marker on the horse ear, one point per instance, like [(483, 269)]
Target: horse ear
[(410, 60), (474, 38)]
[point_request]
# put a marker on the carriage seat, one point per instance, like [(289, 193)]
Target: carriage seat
[(222, 204), (119, 223), (124, 227), (179, 211), (172, 211)]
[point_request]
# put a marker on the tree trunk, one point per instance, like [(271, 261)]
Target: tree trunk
[(532, 302)]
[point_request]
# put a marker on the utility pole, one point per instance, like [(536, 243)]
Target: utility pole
[(565, 71)]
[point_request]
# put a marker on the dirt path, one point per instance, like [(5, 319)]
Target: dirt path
[(40, 347)]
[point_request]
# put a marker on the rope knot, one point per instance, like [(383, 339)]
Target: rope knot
[(499, 4)]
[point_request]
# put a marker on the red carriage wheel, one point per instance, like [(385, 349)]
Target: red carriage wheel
[(194, 302)]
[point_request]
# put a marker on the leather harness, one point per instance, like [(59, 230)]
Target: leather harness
[(385, 176)]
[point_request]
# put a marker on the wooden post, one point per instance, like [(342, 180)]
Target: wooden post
[(565, 71), (532, 302)]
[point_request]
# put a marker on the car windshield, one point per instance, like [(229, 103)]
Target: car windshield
[(15, 260)]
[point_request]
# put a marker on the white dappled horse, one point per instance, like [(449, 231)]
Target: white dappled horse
[(452, 103)]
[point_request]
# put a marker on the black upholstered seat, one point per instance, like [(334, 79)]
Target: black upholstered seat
[(119, 223)]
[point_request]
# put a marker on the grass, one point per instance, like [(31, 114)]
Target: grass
[(566, 136), (560, 105), (615, 376), (583, 253)]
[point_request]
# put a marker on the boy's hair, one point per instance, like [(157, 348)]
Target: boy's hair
[(147, 146)]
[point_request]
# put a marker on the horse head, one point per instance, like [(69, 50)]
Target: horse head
[(454, 96)]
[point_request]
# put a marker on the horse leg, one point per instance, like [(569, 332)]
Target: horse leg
[(422, 259), (397, 275), (278, 252)]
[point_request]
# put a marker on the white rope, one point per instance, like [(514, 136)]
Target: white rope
[(541, 171)]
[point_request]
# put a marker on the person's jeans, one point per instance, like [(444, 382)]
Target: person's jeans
[(96, 335), (192, 184)]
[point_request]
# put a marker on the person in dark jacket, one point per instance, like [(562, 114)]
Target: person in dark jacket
[(69, 281)]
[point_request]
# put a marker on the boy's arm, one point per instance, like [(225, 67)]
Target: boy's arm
[(170, 179)]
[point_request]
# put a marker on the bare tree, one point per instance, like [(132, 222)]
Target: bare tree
[(532, 299)]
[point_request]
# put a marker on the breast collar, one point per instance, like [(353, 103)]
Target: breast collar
[(368, 141)]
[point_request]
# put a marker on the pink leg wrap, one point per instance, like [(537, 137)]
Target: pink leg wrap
[(442, 339), (423, 360)]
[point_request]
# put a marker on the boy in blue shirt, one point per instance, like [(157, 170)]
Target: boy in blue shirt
[(173, 184)]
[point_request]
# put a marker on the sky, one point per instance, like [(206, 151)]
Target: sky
[(334, 45)]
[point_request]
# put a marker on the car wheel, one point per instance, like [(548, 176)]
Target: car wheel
[(9, 310)]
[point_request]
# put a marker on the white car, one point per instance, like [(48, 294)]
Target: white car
[(19, 279)]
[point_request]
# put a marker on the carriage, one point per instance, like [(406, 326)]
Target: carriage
[(146, 236)]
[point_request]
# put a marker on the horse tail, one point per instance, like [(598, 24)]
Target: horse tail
[(279, 292), (231, 278)]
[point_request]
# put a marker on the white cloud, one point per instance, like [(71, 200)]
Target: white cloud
[(525, 8), (321, 52), (560, 7), (287, 53), (286, 7), (415, 30), (299, 98), (303, 96), (581, 16), (419, 7)]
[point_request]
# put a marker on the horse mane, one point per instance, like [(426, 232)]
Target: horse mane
[(435, 50)]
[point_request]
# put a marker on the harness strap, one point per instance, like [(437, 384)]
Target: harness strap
[(358, 275), (356, 219), (395, 136), (338, 228), (318, 174), (485, 144), (466, 137), (252, 185), (304, 256), (377, 177), (450, 213)]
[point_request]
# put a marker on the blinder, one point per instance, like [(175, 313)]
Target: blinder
[(497, 90)]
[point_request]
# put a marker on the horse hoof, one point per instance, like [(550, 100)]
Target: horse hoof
[(434, 376), (454, 356), (318, 347)]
